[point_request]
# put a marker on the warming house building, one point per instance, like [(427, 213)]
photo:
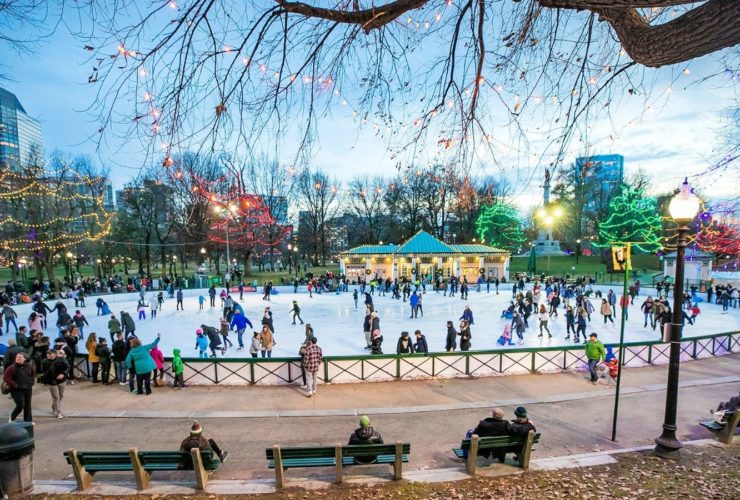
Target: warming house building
[(425, 255)]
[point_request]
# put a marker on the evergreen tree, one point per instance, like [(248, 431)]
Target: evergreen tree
[(633, 218), (500, 226)]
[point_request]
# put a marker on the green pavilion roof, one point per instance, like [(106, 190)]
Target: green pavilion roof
[(372, 249), (476, 248), (424, 243)]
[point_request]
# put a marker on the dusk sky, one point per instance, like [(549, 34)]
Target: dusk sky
[(677, 137)]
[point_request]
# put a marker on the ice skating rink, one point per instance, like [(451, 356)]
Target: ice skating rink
[(338, 325)]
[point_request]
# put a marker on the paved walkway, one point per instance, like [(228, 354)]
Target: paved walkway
[(91, 400), (573, 415)]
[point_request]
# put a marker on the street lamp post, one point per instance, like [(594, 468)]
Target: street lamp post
[(295, 258), (578, 249), (290, 264), (683, 208)]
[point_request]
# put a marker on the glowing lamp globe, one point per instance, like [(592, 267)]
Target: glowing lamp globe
[(685, 204)]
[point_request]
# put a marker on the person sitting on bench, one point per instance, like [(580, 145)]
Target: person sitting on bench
[(197, 440), (495, 425), (365, 434), (725, 409), (521, 425)]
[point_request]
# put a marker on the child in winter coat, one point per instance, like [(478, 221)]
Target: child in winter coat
[(694, 312), (178, 368), (158, 358), (256, 345), (142, 310), (201, 301), (505, 337), (225, 334), (201, 343), (152, 310)]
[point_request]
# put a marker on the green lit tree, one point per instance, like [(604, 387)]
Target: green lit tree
[(633, 218), (500, 226)]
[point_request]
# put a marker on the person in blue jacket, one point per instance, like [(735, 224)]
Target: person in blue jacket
[(467, 315), (239, 322), (201, 343), (142, 363), (414, 302)]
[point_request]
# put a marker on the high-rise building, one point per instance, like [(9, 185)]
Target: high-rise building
[(20, 135), (603, 175)]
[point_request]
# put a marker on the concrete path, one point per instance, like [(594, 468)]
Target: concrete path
[(573, 416)]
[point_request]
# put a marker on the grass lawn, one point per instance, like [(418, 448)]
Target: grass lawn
[(587, 265)]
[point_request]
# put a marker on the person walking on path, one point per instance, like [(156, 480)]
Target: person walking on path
[(296, 312), (54, 369), (20, 377), (312, 362), (606, 311), (544, 318), (141, 362), (595, 353)]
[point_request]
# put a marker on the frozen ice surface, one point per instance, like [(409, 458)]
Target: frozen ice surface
[(338, 325)]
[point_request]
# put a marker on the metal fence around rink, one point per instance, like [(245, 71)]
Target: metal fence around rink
[(392, 367)]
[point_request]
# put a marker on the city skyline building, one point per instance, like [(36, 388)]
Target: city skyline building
[(21, 142)]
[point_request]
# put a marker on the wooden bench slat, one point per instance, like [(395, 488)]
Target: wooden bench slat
[(712, 425)]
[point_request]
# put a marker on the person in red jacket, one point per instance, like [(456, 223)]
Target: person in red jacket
[(624, 302), (20, 377)]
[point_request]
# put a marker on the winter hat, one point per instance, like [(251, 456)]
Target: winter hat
[(364, 421), (520, 412), (199, 331), (196, 429), (112, 316)]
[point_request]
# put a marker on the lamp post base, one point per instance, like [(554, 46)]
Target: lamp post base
[(668, 445)]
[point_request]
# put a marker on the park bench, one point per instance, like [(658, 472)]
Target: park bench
[(496, 443), (337, 456), (726, 430), (86, 463)]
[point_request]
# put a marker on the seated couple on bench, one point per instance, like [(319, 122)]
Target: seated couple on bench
[(497, 426)]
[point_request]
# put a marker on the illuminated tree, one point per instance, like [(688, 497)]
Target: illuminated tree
[(634, 219), (500, 226), (721, 237), (46, 212)]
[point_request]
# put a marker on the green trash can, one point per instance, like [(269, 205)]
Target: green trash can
[(16, 458)]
